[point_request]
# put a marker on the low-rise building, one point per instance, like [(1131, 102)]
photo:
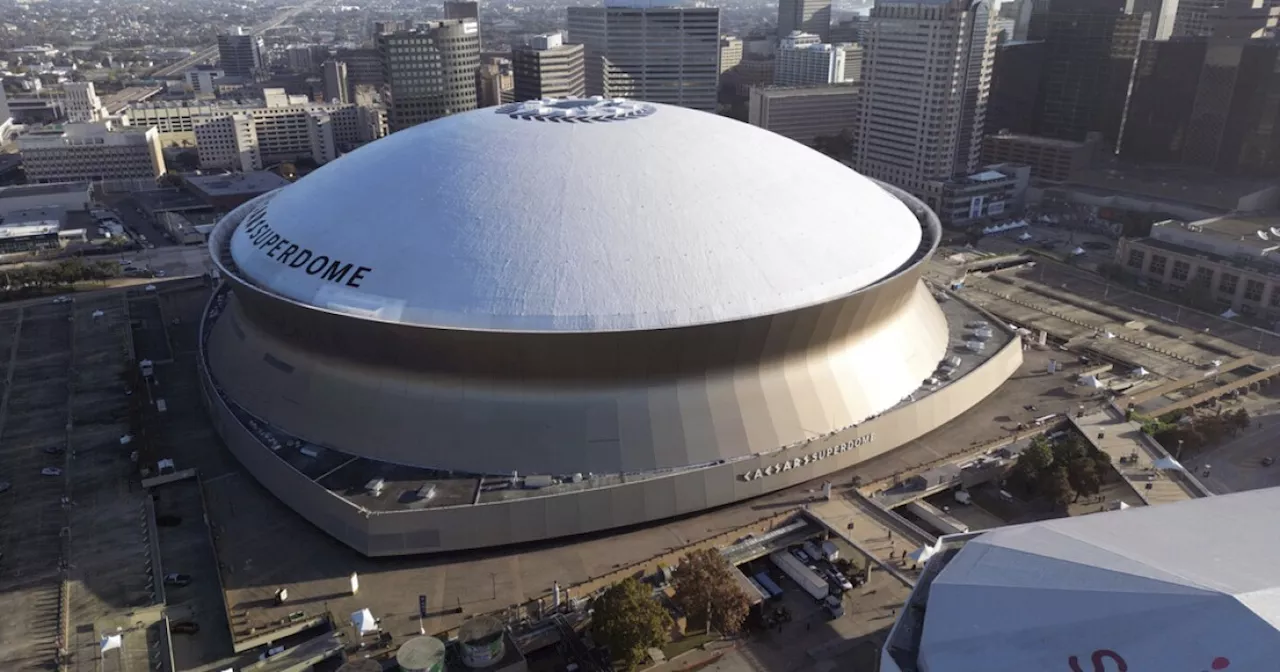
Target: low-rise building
[(71, 196), (1231, 261), (92, 152), (227, 192), (804, 113), (995, 193), (1049, 158)]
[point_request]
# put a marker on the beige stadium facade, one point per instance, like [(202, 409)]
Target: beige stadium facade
[(687, 418)]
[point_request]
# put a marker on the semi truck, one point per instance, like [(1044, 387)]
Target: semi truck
[(808, 581), (936, 519)]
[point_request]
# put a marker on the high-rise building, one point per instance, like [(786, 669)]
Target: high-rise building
[(1090, 47), (4, 107), (848, 30), (805, 61), (91, 152), (494, 82), (804, 113), (1015, 87), (925, 77), (548, 68), (644, 50), (852, 62), (305, 58), (335, 81), (202, 80), (1206, 102), (806, 16), (461, 10), (730, 53), (240, 54), (430, 71), (83, 104), (364, 68)]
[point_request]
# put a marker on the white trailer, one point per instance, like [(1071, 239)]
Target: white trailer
[(936, 519), (809, 582)]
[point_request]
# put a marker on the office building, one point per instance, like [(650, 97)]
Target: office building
[(240, 54), (642, 50), (804, 113), (1049, 158), (848, 30), (93, 151), (305, 58), (925, 77), (1015, 87), (548, 68), (202, 80), (730, 53), (1206, 102), (430, 70), (804, 61), (853, 56), (410, 299), (334, 74), (1090, 48), (364, 68), (495, 83), (461, 10), (806, 16), (993, 193), (1227, 261), (82, 103)]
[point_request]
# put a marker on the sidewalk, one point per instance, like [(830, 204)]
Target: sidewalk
[(1121, 438)]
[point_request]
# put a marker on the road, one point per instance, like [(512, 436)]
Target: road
[(207, 53), (1237, 464)]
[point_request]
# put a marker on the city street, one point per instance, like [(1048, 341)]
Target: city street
[(1237, 464)]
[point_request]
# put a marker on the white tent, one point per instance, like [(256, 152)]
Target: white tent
[(111, 642), (1091, 381), (1077, 252), (364, 621), (1228, 313), (1169, 463), (1024, 236), (1140, 372), (1169, 588)]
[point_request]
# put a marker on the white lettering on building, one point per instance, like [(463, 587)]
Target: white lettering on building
[(806, 460)]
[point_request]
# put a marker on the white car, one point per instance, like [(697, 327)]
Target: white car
[(51, 471), (160, 274), (63, 299), (149, 288)]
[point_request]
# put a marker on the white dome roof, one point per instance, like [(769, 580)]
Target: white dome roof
[(531, 218)]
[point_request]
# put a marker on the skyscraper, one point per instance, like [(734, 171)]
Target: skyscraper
[(430, 71), (1015, 87), (925, 77), (803, 60), (1090, 47), (240, 54), (335, 81), (806, 16), (644, 50), (1206, 102), (548, 68)]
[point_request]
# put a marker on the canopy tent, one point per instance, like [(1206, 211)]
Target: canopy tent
[(1228, 314), (925, 552), (364, 621), (1169, 463), (1091, 381), (1077, 252), (1168, 588), (111, 642), (1024, 236), (1140, 372)]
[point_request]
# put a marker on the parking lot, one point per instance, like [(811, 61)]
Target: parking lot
[(70, 506)]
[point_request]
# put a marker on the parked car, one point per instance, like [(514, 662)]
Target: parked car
[(177, 579), (62, 299), (184, 627), (55, 450), (1268, 461), (51, 471)]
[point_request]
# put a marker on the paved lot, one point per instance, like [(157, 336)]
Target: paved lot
[(64, 407), (1237, 464)]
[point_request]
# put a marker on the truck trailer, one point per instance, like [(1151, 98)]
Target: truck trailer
[(808, 581)]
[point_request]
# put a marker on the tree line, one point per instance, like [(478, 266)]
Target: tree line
[(37, 279), (1060, 471)]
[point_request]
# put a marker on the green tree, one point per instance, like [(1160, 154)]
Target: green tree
[(1033, 463), (1057, 488), (705, 586), (628, 620), (1083, 477)]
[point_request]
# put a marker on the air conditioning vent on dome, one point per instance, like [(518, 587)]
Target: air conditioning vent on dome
[(577, 110)]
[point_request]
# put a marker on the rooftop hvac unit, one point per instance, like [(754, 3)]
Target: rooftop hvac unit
[(376, 486)]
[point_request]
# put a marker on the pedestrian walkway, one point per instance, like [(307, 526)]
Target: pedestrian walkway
[(1111, 433), (889, 547)]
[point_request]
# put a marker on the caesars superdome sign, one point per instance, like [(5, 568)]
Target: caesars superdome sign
[(327, 267), (815, 456)]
